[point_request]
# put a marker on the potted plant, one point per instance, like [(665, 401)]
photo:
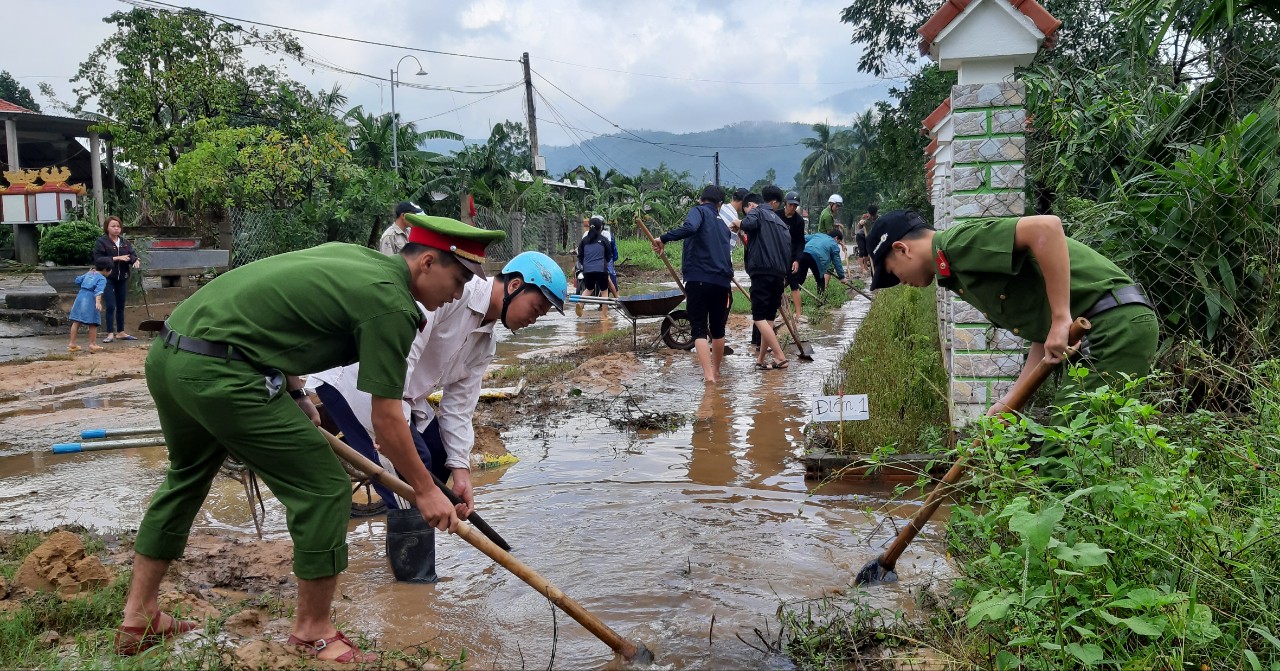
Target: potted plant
[(69, 246)]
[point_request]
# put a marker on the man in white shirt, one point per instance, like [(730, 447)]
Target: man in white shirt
[(396, 236), (731, 213), (451, 353)]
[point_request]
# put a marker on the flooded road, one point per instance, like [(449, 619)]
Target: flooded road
[(657, 534)]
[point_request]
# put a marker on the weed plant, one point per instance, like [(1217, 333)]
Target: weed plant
[(1157, 550)]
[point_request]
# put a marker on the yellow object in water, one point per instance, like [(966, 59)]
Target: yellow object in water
[(489, 462), (486, 394)]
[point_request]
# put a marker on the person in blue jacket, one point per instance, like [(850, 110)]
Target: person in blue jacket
[(595, 253), (821, 256), (707, 267)]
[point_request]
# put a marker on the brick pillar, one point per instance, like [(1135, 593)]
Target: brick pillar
[(987, 180)]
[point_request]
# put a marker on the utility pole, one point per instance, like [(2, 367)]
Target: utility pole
[(533, 117), (717, 168), (395, 125)]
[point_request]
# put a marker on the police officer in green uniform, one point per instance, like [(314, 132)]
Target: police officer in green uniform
[(1028, 277), (224, 377)]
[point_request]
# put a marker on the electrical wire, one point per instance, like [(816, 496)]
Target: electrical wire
[(494, 88), (709, 81), (582, 143), (479, 100), (611, 123), (164, 6)]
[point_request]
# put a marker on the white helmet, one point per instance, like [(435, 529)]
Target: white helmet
[(835, 198)]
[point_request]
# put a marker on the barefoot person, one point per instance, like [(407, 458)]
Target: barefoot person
[(88, 306), (450, 354), (223, 374), (707, 266)]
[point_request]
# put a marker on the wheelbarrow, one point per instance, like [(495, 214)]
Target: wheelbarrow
[(676, 332)]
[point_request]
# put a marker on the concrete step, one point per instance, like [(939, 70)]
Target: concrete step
[(31, 300), (36, 317)]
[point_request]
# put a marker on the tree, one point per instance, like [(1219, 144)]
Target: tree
[(770, 177), (829, 153), (371, 140), (174, 71), (16, 93)]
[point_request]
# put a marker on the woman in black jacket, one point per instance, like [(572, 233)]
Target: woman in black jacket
[(113, 247)]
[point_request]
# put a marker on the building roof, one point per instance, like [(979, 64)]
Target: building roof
[(1044, 21), (6, 106), (937, 115)]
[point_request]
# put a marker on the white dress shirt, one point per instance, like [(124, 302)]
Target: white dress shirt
[(729, 215), (451, 354)]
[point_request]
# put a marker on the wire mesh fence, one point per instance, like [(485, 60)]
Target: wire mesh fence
[(258, 234), (547, 233)]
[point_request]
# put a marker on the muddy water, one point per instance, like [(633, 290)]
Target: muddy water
[(660, 535)]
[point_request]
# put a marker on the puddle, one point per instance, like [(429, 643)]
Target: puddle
[(656, 533)]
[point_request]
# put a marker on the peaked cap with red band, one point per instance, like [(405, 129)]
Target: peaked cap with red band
[(466, 243)]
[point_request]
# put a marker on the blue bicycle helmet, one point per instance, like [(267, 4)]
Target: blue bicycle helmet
[(537, 269)]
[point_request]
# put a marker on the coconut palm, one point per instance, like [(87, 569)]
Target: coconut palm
[(371, 140), (829, 153)]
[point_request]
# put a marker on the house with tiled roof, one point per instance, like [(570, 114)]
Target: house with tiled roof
[(45, 168)]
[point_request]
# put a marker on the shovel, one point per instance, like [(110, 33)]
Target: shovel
[(806, 350), (662, 255), (480, 525), (631, 652), (880, 569)]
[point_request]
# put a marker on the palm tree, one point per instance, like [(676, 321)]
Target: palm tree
[(371, 140), (829, 153)]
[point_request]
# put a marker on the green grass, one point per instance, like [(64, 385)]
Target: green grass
[(637, 254), (896, 361), (533, 372)]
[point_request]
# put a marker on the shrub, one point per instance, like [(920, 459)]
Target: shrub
[(1157, 550), (70, 243)]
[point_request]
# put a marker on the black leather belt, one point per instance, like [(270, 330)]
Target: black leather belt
[(198, 346), (1130, 295)]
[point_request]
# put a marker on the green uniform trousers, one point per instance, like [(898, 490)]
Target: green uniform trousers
[(1122, 340), (211, 407)]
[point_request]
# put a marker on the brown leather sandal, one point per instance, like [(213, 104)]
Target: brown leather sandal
[(354, 654), (133, 640)]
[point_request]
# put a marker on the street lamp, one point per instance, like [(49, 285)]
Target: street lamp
[(395, 118)]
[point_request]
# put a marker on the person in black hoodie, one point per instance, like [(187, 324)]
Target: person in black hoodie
[(707, 266), (768, 262)]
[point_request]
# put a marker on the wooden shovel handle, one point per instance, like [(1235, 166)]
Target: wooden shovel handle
[(477, 540), (786, 318), (662, 255), (1015, 399)]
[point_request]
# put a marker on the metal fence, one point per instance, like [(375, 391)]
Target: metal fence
[(257, 234), (546, 233)]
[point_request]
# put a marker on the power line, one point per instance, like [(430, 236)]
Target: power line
[(480, 100), (152, 4), (611, 123), (710, 81), (327, 65), (582, 144)]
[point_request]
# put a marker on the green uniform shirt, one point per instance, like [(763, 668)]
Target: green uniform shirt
[(312, 310), (826, 221), (977, 260)]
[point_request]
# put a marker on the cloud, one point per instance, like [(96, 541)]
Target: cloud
[(662, 47)]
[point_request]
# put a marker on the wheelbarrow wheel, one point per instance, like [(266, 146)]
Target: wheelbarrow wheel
[(677, 332)]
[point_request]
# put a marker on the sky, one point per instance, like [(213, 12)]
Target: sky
[(670, 65)]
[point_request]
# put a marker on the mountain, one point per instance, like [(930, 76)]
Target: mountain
[(747, 149)]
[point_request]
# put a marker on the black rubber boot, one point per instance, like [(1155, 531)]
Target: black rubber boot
[(411, 546)]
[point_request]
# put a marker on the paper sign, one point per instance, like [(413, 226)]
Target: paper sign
[(831, 408)]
